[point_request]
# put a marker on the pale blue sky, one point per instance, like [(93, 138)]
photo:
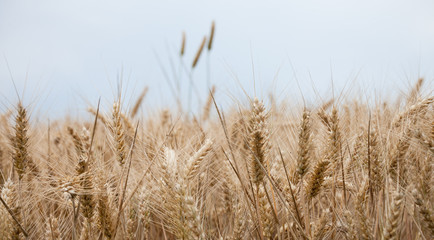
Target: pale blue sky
[(75, 50)]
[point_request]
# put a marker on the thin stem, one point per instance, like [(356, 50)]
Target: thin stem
[(13, 217)]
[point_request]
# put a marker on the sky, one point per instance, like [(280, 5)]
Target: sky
[(62, 56)]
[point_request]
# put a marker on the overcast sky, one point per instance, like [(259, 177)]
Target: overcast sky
[(71, 52)]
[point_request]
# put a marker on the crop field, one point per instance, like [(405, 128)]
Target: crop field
[(343, 168), (339, 170)]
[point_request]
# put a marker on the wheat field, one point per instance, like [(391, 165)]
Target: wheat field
[(342, 169), (334, 171)]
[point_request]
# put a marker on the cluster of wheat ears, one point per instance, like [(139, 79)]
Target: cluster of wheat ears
[(340, 170)]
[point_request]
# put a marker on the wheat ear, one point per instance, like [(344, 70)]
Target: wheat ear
[(304, 145), (118, 134), (198, 53), (139, 102), (20, 142), (211, 36), (317, 178), (208, 104), (415, 91), (182, 51), (195, 161), (391, 230), (258, 141)]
